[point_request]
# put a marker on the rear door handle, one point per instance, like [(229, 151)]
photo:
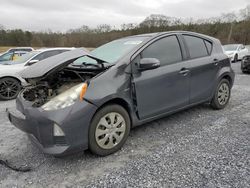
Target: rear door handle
[(184, 71)]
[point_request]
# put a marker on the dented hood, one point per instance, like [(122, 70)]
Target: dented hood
[(54, 63)]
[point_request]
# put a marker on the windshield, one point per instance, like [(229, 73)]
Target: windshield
[(113, 51), (25, 58), (6, 57), (230, 47)]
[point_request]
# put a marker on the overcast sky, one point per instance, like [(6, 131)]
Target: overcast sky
[(62, 15)]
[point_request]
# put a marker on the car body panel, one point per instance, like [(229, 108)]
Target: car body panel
[(161, 90)]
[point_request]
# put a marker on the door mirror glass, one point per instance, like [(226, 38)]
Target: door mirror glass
[(31, 62), (148, 64)]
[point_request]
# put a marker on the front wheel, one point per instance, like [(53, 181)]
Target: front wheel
[(109, 130), (222, 95), (9, 88)]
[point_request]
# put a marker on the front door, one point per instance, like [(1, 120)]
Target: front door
[(166, 88)]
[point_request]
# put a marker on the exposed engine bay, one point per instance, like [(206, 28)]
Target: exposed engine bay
[(41, 91)]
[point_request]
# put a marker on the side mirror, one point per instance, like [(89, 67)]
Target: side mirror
[(31, 62), (148, 64)]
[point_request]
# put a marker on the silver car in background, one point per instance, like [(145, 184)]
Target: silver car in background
[(10, 81)]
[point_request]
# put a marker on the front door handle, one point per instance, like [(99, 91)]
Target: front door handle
[(184, 71)]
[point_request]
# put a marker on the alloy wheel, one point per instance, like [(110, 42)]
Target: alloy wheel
[(223, 94), (9, 88)]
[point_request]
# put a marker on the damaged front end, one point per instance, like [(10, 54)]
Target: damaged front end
[(42, 91), (52, 109), (72, 74)]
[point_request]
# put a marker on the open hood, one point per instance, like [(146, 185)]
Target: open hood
[(54, 63)]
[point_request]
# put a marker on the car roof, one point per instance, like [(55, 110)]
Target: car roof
[(18, 52), (20, 48), (153, 35), (51, 49), (233, 44)]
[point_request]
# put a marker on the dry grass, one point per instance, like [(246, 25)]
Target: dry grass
[(4, 48)]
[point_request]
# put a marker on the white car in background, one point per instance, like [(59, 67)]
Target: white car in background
[(11, 56), (10, 81), (235, 51)]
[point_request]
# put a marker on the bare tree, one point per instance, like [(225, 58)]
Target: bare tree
[(1, 27)]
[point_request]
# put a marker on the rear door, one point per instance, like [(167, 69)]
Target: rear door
[(204, 67), (165, 88)]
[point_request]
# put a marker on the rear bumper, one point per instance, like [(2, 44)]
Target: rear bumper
[(74, 121)]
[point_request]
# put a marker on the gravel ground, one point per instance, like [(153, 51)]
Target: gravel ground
[(199, 147)]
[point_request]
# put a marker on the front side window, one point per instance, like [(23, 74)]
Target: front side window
[(167, 50), (196, 46)]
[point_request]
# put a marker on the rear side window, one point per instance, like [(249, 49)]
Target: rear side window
[(196, 46), (166, 50)]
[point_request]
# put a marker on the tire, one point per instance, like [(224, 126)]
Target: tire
[(235, 58), (9, 88), (222, 95), (245, 72), (106, 137)]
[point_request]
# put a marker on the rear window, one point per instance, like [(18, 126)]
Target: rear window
[(196, 46)]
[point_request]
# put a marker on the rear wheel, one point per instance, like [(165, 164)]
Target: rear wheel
[(9, 88), (109, 130), (222, 95), (244, 71)]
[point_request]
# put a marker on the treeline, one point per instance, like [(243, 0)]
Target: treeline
[(229, 28)]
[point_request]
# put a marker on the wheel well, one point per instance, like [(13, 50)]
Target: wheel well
[(12, 78), (118, 101), (228, 78)]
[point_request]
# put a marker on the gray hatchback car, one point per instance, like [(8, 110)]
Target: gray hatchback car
[(80, 100)]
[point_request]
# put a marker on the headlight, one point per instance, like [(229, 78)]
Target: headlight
[(67, 98)]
